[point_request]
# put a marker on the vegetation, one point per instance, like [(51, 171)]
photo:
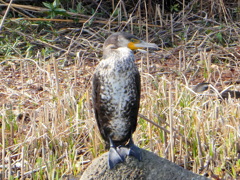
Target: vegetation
[(47, 57)]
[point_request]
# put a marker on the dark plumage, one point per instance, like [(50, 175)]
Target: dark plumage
[(201, 87), (116, 95), (228, 93)]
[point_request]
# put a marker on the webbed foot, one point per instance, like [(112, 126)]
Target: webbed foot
[(114, 158), (123, 151), (118, 154), (134, 150)]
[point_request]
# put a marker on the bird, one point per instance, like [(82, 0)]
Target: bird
[(222, 94), (116, 91), (201, 87)]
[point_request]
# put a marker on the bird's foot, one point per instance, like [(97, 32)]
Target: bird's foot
[(123, 151), (118, 154), (135, 152), (114, 157)]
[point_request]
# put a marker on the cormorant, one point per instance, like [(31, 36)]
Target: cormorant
[(223, 94), (116, 95), (201, 87)]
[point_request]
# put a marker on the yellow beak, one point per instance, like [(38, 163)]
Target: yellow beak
[(141, 44)]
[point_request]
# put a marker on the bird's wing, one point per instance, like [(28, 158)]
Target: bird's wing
[(137, 101), (96, 100), (138, 83)]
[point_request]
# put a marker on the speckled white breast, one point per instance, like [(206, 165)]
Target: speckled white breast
[(118, 89)]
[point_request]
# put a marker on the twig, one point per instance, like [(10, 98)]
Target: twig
[(83, 21), (27, 59), (5, 15), (160, 127), (39, 42)]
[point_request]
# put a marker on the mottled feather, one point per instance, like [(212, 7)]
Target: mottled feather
[(116, 95)]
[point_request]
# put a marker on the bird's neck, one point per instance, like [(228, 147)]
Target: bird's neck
[(118, 60), (119, 54)]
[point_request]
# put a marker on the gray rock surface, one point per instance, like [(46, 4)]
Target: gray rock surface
[(152, 167)]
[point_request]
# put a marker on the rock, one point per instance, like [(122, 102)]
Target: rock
[(152, 167)]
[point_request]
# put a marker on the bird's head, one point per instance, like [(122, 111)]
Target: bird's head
[(123, 39)]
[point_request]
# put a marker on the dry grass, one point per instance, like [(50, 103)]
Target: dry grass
[(47, 126)]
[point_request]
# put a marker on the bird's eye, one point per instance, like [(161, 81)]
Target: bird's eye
[(133, 40)]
